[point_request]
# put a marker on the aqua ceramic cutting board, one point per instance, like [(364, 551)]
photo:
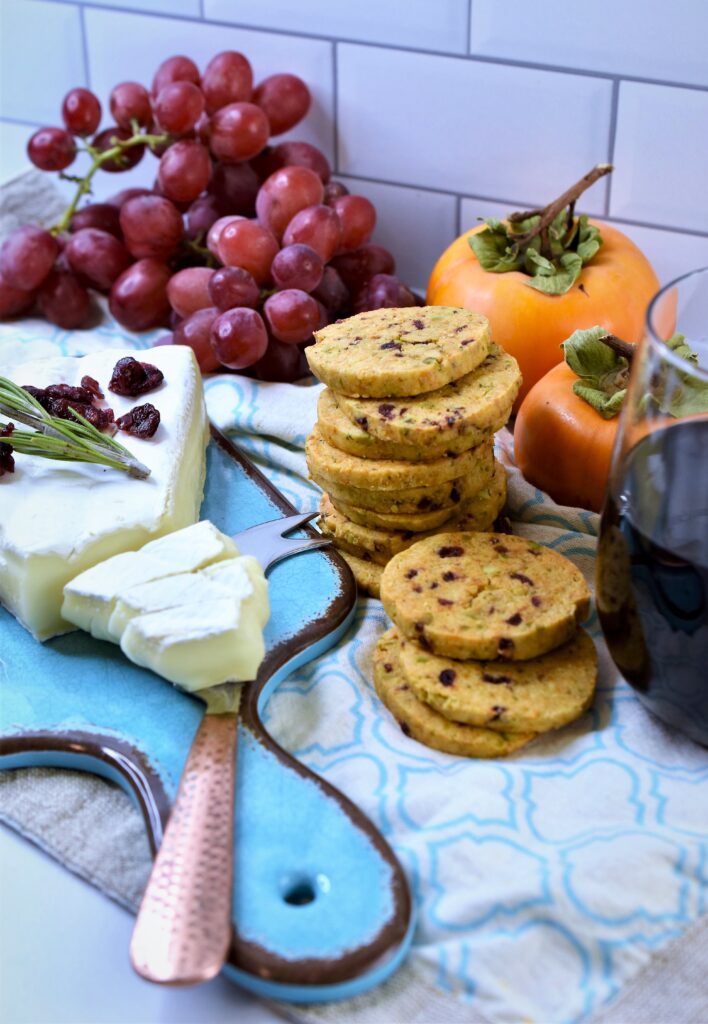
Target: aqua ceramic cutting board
[(321, 907)]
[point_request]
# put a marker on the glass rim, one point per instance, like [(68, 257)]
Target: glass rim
[(693, 369)]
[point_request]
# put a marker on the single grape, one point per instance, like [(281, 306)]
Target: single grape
[(178, 107), (238, 132), (185, 170), (130, 101), (358, 218), (138, 299), (195, 331), (332, 292), (333, 190), (103, 216), (246, 243), (81, 112), (13, 300), (227, 78), (125, 194), (292, 315), (51, 149), (236, 187), (202, 129), (233, 286), (175, 69), (239, 337), (188, 290), (285, 100), (318, 227), (281, 362), (97, 257), (152, 227), (284, 194), (384, 291), (357, 267), (294, 154), (27, 257), (127, 159), (63, 300), (297, 266), (202, 213), (214, 233)]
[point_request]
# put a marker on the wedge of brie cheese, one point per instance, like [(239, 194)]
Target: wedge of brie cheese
[(57, 519)]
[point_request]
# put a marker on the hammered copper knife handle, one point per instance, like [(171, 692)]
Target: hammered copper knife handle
[(183, 930)]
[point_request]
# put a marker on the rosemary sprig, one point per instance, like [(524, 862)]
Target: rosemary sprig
[(65, 440)]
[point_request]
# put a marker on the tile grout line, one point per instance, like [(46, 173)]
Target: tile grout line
[(612, 141), (468, 48), (84, 46), (335, 105)]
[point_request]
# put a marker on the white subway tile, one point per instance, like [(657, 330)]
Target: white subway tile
[(123, 45), (470, 127), (41, 58), (183, 8), (13, 149), (412, 23), (416, 226), (649, 40), (661, 156)]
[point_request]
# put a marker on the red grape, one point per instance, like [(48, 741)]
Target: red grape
[(81, 112), (138, 299), (384, 291), (97, 257), (152, 226), (13, 300), (284, 194), (125, 194), (233, 286), (195, 331), (130, 101), (358, 217), (285, 100), (27, 257), (239, 337), (63, 300), (297, 266), (103, 216), (332, 292), (175, 69), (51, 149), (333, 190), (280, 363), (203, 212), (238, 132), (185, 170), (127, 159), (236, 188), (292, 315), (188, 290), (202, 128), (247, 244), (294, 154), (357, 267), (178, 107), (214, 233), (228, 78), (318, 227)]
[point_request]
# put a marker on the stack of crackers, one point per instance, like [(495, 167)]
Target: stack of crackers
[(403, 446), (486, 652)]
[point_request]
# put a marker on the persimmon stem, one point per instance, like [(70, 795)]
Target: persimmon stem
[(622, 348), (547, 214)]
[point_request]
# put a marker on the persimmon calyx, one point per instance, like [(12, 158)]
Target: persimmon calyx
[(548, 244)]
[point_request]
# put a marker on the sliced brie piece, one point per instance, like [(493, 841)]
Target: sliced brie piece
[(227, 574), (58, 519), (197, 546)]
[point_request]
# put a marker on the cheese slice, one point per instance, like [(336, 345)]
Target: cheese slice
[(58, 519)]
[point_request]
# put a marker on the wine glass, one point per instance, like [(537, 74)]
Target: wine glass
[(652, 566)]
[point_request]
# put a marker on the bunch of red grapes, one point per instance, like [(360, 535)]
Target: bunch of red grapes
[(242, 248)]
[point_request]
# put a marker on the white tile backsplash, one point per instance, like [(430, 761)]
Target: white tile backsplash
[(403, 22), (458, 125), (652, 39), (170, 8)]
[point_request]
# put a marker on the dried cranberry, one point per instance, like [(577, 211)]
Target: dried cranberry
[(132, 378), (142, 421), (449, 576), (445, 602), (405, 728), (514, 620), (7, 463), (447, 676), (81, 396), (411, 573), (520, 577), (92, 385), (452, 551), (99, 418), (536, 601), (386, 410), (388, 667)]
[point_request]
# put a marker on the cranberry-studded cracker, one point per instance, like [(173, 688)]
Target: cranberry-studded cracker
[(381, 545), (481, 595), (424, 724), (389, 474), (366, 573), (386, 352), (480, 401), (539, 694)]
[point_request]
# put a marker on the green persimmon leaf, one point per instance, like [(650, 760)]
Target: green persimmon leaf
[(607, 405), (565, 273), (588, 357), (589, 239), (494, 252)]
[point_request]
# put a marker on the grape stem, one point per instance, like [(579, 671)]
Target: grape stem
[(99, 158)]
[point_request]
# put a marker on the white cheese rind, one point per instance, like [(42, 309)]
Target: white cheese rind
[(58, 519)]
